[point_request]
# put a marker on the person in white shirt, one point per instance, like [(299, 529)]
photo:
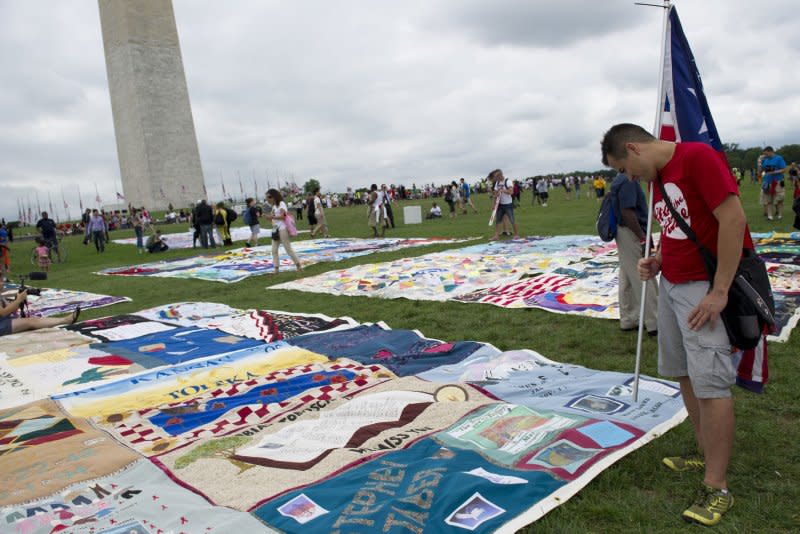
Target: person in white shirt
[(280, 235), (436, 212), (503, 190), (541, 188), (376, 213), (319, 213)]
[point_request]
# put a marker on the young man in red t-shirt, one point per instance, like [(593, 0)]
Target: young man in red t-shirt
[(693, 345)]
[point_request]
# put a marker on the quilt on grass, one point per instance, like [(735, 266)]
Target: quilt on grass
[(778, 247), (63, 301), (238, 264), (178, 240), (307, 423), (564, 274)]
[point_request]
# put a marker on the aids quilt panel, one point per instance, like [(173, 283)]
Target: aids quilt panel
[(576, 275), (198, 417)]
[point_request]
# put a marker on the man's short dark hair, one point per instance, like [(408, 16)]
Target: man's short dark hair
[(614, 140), (769, 149)]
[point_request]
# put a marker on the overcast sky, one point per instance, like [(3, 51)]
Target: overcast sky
[(355, 92)]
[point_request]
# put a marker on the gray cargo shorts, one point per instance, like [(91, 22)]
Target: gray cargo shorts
[(705, 355)]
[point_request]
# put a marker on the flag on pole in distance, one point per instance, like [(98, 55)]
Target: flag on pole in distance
[(120, 196), (685, 117)]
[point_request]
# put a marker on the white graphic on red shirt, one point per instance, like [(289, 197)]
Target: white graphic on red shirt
[(669, 227)]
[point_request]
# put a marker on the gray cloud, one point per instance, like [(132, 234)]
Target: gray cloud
[(553, 24)]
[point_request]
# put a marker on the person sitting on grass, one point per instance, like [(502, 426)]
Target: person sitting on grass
[(13, 325), (156, 243), (436, 212)]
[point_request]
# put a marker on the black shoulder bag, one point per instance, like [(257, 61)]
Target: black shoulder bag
[(750, 306)]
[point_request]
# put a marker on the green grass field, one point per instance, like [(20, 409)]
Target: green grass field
[(635, 495)]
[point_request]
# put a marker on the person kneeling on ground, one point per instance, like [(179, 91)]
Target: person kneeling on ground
[(13, 325), (156, 243), (436, 212)]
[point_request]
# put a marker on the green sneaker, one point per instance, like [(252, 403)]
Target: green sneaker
[(685, 463), (709, 507)]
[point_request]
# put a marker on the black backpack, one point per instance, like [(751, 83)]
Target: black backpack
[(606, 220), (232, 215)]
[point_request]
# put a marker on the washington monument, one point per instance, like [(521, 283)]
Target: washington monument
[(156, 143)]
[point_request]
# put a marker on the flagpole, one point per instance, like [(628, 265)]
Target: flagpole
[(656, 132)]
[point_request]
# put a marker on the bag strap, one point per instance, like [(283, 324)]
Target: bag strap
[(709, 260)]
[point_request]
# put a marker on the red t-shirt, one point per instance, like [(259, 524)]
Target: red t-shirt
[(697, 181)]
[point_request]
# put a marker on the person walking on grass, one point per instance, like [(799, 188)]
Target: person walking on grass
[(450, 198), (599, 188), (205, 219), (503, 190), (222, 223), (97, 229), (312, 220), (49, 233), (321, 226), (87, 215), (251, 218), (542, 189), (693, 345), (466, 196), (42, 255), (138, 229), (376, 211), (773, 166), (280, 235), (387, 206)]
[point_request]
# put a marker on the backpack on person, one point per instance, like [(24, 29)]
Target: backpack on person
[(448, 196), (606, 220), (247, 217), (231, 215), (219, 220)]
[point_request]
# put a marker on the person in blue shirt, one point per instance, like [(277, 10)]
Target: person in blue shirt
[(772, 167), (630, 207), (466, 195)]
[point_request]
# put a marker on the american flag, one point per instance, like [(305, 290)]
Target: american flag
[(687, 117)]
